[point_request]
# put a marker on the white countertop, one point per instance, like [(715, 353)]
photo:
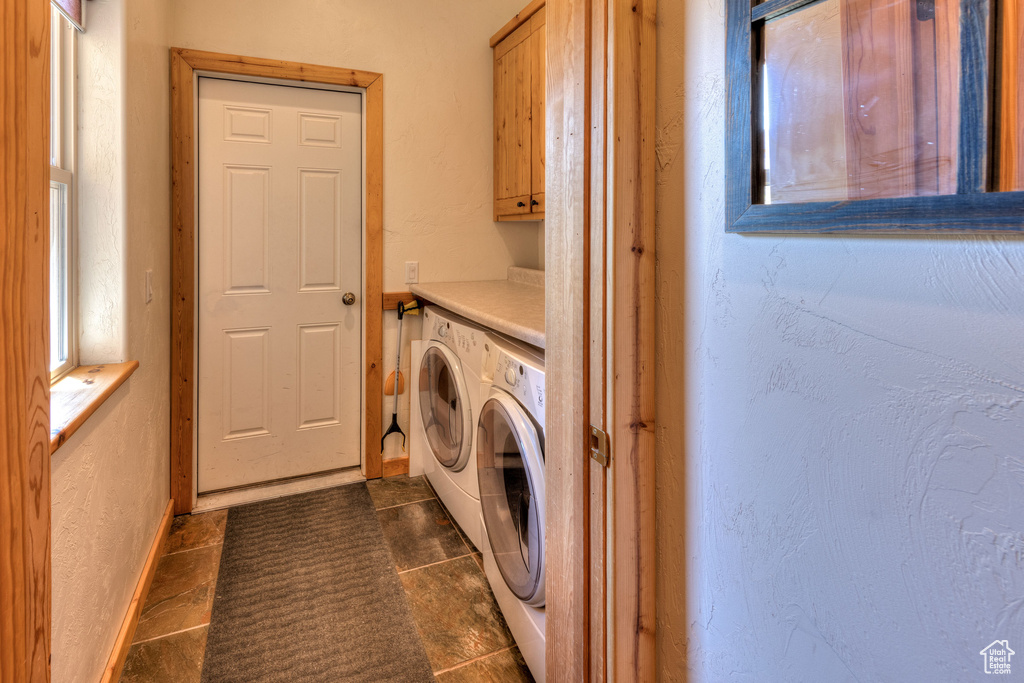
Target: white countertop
[(514, 306)]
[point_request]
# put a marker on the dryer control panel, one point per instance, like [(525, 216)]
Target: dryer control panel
[(459, 338), (523, 380)]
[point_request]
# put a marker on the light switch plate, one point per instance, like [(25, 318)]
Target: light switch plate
[(412, 272)]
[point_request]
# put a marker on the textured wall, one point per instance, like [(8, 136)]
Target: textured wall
[(438, 125), (840, 419), (110, 480), (101, 183)]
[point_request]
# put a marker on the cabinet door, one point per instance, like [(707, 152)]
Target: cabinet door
[(538, 46), (512, 123)]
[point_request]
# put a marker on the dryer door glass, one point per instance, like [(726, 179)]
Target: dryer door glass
[(511, 496), (443, 407)]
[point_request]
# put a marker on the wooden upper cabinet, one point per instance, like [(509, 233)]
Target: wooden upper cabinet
[(519, 81)]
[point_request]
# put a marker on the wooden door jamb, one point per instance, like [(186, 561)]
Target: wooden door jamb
[(184, 65)]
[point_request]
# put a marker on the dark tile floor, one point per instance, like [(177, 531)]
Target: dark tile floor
[(171, 636), (463, 631)]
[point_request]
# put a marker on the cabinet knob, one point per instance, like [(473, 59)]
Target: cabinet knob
[(534, 202), (520, 204)]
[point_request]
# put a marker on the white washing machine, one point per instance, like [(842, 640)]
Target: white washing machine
[(510, 464), (446, 398)]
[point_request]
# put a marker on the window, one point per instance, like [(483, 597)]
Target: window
[(63, 347), (876, 115)]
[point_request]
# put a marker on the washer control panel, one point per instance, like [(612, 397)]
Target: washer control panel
[(524, 380)]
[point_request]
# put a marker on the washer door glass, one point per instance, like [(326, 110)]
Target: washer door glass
[(510, 467), (444, 407)]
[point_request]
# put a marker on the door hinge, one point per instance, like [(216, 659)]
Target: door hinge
[(600, 449)]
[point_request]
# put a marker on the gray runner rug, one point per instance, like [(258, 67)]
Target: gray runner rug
[(307, 591)]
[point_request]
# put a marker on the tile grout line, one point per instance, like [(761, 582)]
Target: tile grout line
[(475, 659), (411, 502), (166, 635), (434, 564), (187, 550)]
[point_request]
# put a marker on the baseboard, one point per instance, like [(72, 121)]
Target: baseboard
[(396, 466), (131, 620)]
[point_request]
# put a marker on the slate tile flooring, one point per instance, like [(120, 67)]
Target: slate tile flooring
[(171, 636), (463, 631)]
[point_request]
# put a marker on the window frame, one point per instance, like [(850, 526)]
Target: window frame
[(974, 209), (63, 132)]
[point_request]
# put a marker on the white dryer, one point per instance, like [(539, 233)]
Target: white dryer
[(446, 398), (510, 465)]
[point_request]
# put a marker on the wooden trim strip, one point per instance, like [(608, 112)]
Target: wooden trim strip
[(518, 20), (521, 218), (566, 305), (131, 620), (182, 279), (24, 351), (770, 9), (77, 395), (1003, 211), (390, 300), (633, 367), (184, 65), (373, 345), (1010, 91), (395, 466), (598, 335), (274, 68), (739, 174), (972, 156)]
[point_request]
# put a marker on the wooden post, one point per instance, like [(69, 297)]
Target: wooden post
[(567, 304), (632, 346), (600, 339), (24, 342)]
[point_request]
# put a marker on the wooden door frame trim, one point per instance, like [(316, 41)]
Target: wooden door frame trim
[(600, 339), (184, 65), (631, 136), (25, 575)]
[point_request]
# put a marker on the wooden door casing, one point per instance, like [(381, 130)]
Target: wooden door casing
[(185, 64), (600, 332)]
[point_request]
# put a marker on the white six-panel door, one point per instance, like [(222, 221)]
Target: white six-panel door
[(280, 229)]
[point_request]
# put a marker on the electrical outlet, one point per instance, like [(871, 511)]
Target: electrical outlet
[(149, 286), (412, 272)]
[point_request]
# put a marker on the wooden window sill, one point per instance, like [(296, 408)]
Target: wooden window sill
[(77, 395)]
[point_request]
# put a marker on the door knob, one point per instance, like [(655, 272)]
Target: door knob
[(348, 298)]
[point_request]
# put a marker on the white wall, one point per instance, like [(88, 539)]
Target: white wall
[(438, 120), (840, 418), (110, 480)]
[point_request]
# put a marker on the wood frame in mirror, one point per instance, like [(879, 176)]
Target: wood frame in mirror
[(976, 207)]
